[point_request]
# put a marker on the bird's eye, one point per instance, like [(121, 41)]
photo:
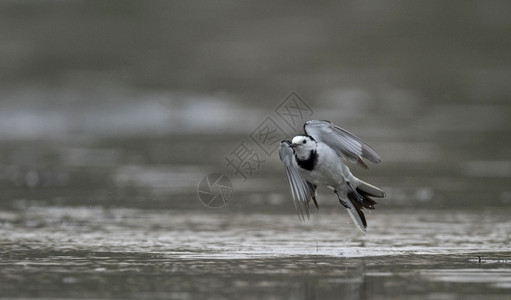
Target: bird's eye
[(304, 141)]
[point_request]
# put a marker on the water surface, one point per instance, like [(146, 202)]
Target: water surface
[(85, 252)]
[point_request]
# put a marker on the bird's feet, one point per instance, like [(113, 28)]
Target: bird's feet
[(359, 197)]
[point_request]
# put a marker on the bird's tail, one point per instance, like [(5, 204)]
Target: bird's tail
[(367, 189), (360, 198)]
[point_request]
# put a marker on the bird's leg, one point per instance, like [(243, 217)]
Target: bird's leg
[(359, 197), (315, 201), (343, 203)]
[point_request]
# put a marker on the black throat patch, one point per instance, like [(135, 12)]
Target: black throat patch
[(309, 163)]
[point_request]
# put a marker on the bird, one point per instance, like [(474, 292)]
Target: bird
[(319, 158)]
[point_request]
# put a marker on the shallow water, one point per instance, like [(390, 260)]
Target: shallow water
[(84, 252)]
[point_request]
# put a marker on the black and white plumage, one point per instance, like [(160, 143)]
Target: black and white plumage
[(317, 159)]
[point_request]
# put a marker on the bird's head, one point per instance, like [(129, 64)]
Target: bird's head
[(303, 143)]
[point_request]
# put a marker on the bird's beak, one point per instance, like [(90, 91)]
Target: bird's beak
[(293, 145)]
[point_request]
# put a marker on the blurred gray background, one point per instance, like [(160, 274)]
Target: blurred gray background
[(93, 91), (111, 112)]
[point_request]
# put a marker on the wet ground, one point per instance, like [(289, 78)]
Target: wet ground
[(97, 253)]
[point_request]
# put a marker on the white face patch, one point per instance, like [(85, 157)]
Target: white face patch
[(299, 139), (303, 143)]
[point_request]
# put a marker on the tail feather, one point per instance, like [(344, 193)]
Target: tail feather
[(369, 190), (358, 207), (360, 198), (367, 201)]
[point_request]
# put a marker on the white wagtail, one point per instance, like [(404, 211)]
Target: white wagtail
[(317, 157)]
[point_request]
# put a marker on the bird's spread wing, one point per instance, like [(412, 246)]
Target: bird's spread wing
[(343, 142), (301, 190)]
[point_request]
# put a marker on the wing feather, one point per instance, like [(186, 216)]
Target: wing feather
[(342, 141), (301, 190)]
